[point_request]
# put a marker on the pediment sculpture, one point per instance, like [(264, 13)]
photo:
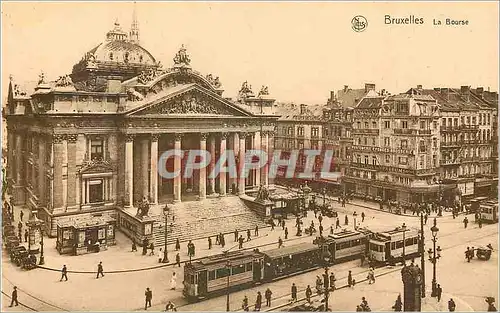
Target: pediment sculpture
[(214, 81), (146, 77), (143, 208), (96, 166), (134, 95), (188, 105)]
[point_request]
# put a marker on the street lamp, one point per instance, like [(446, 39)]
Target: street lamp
[(326, 282), (404, 243), (166, 209), (433, 258), (35, 224)]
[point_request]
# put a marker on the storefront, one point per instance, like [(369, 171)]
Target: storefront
[(85, 236)]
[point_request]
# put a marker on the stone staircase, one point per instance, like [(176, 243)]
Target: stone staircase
[(200, 219)]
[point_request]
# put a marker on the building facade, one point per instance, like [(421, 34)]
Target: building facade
[(89, 143)]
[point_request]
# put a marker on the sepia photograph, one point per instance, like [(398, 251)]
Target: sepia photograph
[(249, 156)]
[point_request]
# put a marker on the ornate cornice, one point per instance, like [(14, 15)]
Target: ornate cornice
[(129, 137)]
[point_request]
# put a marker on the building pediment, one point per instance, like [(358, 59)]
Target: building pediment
[(96, 166), (188, 100)]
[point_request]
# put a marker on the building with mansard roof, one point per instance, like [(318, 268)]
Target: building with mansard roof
[(88, 143)]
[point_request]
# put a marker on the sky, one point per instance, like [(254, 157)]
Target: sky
[(300, 50)]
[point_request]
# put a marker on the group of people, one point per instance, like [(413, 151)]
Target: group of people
[(363, 306), (258, 301)]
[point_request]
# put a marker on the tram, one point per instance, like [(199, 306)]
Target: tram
[(389, 246), (489, 211)]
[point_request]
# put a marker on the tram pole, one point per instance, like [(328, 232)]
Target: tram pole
[(422, 252), (228, 265)]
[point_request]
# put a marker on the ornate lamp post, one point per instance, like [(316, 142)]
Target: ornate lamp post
[(433, 258), (228, 266), (326, 281), (422, 251), (166, 210)]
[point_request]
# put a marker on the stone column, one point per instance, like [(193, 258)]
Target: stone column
[(145, 168), (265, 168), (270, 149), (235, 139), (71, 177), (241, 158), (203, 170), (59, 156), (256, 146), (153, 184), (19, 159), (211, 166), (177, 168), (222, 176), (129, 170), (10, 154), (41, 171)]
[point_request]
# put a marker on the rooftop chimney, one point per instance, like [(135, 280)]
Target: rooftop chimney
[(419, 87), (369, 87), (480, 91), (332, 95), (302, 109), (346, 87), (464, 90)]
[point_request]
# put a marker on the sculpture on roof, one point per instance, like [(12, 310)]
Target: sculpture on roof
[(214, 81), (264, 91), (245, 91), (134, 95), (18, 91), (143, 208), (182, 58), (90, 58), (262, 194), (146, 77), (41, 78), (64, 81)]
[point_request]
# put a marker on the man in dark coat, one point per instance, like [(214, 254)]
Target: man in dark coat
[(294, 292), (100, 270), (149, 296), (308, 293), (209, 243), (26, 235), (439, 291), (14, 297), (178, 260), (268, 295), (451, 305), (258, 301), (466, 221), (64, 273)]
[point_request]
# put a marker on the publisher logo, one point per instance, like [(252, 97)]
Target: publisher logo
[(359, 23)]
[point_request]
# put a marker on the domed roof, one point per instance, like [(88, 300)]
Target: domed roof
[(119, 48)]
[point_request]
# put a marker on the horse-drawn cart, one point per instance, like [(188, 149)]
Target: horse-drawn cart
[(483, 253)]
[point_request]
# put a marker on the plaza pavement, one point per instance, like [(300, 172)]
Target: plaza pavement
[(125, 291)]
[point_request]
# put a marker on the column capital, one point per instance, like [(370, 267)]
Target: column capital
[(178, 136), (129, 137), (58, 138), (203, 136), (72, 138), (224, 135), (243, 135), (155, 137)]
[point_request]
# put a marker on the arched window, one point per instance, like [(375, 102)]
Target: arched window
[(125, 57), (111, 56)]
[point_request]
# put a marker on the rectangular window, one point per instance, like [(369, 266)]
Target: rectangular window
[(96, 191), (387, 158), (222, 272), (480, 118), (387, 141), (399, 244), (422, 147), (374, 124), (374, 160), (238, 269), (435, 125), (422, 160), (434, 160), (473, 120), (404, 144), (300, 131), (488, 118), (373, 141), (366, 159), (404, 124), (387, 124), (211, 275), (422, 124), (96, 149), (403, 160), (314, 132), (249, 266), (367, 125)]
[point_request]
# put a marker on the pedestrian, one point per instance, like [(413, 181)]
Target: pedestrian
[(472, 253), (346, 220), (178, 260), (244, 305), (149, 296), (145, 245), (240, 242), (21, 214), (258, 301), (152, 247), (480, 222), (134, 246), (371, 276), (173, 281), (439, 291), (209, 243), (320, 218), (362, 217), (466, 221), (189, 249), (249, 236), (268, 295), (177, 245), (283, 224), (426, 216), (64, 273), (308, 294), (235, 235), (451, 305), (100, 270), (222, 240), (256, 230), (297, 222), (14, 297), (170, 307), (286, 233), (349, 279), (398, 305), (332, 281), (20, 235), (294, 292), (337, 223), (467, 255), (280, 242), (26, 235), (331, 229), (272, 224)]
